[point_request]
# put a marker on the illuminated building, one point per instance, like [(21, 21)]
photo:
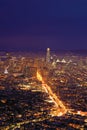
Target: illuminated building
[(63, 61), (57, 60), (6, 71), (48, 55)]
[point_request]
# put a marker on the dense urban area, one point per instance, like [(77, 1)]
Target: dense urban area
[(43, 91)]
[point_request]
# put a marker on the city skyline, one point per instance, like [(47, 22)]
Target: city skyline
[(43, 64)]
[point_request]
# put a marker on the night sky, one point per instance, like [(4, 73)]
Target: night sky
[(31, 25)]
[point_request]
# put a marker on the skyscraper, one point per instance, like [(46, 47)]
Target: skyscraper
[(48, 55)]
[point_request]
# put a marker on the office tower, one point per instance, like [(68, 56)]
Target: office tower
[(48, 55), (6, 71)]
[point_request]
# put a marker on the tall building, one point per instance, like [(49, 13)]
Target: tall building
[(6, 71), (48, 55)]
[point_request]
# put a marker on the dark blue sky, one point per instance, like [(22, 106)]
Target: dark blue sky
[(38, 24)]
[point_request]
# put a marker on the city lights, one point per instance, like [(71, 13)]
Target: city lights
[(43, 91)]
